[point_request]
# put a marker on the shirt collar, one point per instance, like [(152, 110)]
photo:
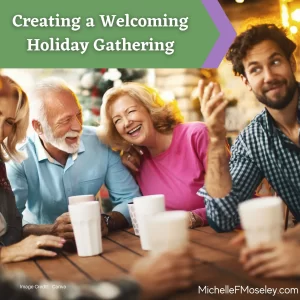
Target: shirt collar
[(270, 121), (80, 149), (42, 154)]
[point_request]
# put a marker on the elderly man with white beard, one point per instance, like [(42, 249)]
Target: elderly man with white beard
[(65, 158)]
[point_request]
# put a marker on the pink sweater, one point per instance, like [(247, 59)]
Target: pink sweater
[(179, 172)]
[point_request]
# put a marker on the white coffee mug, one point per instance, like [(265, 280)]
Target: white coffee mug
[(80, 198), (86, 223), (168, 231), (146, 206), (262, 219), (133, 218)]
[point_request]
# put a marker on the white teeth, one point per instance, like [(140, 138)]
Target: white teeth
[(135, 129)]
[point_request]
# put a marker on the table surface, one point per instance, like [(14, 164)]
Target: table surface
[(216, 266)]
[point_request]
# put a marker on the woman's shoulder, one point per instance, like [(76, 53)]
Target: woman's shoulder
[(192, 128), (191, 133)]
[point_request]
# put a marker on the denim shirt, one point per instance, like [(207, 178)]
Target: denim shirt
[(42, 185)]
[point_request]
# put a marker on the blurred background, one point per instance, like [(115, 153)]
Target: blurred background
[(91, 84)]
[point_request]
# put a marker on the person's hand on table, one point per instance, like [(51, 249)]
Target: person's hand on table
[(31, 246), (70, 245), (161, 275), (271, 260), (62, 227)]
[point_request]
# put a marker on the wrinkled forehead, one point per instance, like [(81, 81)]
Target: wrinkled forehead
[(120, 104), (58, 104)]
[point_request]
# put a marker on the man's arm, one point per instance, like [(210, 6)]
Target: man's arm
[(122, 189), (62, 227), (226, 183), (34, 229), (217, 180), (222, 213), (115, 221)]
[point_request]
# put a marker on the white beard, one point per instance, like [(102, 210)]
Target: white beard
[(60, 143)]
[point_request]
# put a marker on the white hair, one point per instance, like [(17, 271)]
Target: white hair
[(39, 94)]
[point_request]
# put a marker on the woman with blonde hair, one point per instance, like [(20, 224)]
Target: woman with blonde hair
[(14, 119), (173, 160)]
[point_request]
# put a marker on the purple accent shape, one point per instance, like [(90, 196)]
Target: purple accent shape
[(227, 33)]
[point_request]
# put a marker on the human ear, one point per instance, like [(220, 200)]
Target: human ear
[(37, 127), (246, 82), (293, 63)]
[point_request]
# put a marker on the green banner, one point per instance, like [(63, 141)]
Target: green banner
[(115, 33)]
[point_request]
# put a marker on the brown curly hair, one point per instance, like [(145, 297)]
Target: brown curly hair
[(254, 35)]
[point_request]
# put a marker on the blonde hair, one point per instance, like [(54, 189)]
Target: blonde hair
[(164, 115), (9, 88)]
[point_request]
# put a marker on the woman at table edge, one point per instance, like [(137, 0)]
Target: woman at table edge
[(173, 160), (14, 118)]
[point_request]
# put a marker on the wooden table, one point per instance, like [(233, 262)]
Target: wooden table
[(216, 262)]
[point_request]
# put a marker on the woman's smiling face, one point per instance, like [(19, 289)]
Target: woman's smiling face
[(132, 120)]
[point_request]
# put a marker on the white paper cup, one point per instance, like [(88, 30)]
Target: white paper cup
[(262, 220), (144, 207), (80, 198), (168, 231), (133, 218), (86, 222)]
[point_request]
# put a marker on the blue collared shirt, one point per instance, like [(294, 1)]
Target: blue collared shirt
[(42, 185)]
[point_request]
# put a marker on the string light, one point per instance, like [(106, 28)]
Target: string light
[(290, 14), (285, 15), (294, 29), (296, 15)]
